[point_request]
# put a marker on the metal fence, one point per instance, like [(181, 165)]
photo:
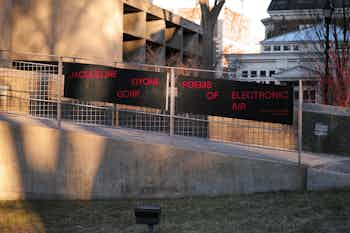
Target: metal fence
[(35, 88)]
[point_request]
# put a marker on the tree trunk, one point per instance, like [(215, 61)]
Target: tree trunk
[(209, 18)]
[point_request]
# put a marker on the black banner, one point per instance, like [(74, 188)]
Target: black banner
[(227, 98), (107, 84)]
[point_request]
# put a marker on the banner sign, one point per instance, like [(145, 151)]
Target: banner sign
[(227, 98), (107, 84)]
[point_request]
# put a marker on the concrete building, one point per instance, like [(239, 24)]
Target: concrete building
[(232, 28), (117, 30)]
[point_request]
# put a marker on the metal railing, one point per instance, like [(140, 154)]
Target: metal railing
[(36, 88)]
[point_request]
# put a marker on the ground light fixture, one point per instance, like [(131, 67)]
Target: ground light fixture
[(148, 215)]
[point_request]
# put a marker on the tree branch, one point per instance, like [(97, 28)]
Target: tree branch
[(217, 8)]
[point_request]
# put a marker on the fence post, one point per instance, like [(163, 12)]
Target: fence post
[(167, 92), (300, 122), (115, 115), (172, 101), (59, 92)]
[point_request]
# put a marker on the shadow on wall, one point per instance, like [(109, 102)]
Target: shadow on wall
[(45, 163), (63, 27)]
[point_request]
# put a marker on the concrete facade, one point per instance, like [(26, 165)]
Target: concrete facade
[(116, 30), (41, 162), (5, 23)]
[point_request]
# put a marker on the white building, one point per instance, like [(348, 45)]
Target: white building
[(284, 59)]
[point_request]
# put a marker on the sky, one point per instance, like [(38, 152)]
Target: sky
[(255, 10)]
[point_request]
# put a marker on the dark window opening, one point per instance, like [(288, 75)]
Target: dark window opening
[(276, 48), (245, 74), (267, 48), (286, 48), (253, 73)]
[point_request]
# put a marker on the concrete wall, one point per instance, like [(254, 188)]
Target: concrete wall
[(40, 162), (5, 24), (336, 120), (90, 28), (116, 30), (321, 180)]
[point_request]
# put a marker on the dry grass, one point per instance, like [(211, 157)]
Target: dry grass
[(326, 212)]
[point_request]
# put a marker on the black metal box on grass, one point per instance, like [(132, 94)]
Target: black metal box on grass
[(149, 215)]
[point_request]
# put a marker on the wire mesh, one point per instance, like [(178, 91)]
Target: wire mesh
[(143, 120), (87, 113), (30, 88)]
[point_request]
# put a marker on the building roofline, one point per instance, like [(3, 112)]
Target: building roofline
[(164, 14)]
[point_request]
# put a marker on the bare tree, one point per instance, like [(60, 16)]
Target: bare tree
[(209, 17), (333, 56)]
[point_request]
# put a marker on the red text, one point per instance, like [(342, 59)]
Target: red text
[(125, 94), (239, 107), (145, 82), (212, 95), (257, 95), (98, 74), (197, 84)]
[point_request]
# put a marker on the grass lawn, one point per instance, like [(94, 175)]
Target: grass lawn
[(323, 212)]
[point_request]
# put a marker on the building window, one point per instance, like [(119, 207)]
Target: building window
[(306, 96), (253, 74), (286, 48), (296, 95), (277, 48), (303, 26), (272, 72), (313, 96), (267, 48), (296, 47), (245, 74), (262, 73)]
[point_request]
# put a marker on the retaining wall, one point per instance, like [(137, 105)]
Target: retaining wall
[(42, 162)]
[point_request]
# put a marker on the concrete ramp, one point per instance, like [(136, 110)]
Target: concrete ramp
[(79, 162)]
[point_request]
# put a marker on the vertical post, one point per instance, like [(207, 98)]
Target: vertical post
[(300, 122), (59, 92), (172, 101), (115, 115), (167, 92)]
